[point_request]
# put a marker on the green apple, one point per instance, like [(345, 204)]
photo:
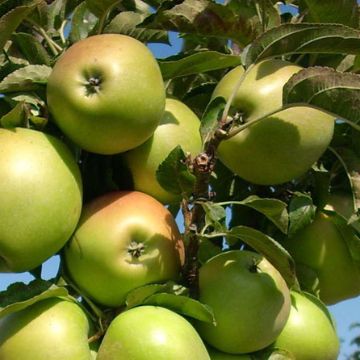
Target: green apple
[(51, 329), (309, 333), (178, 126), (41, 198), (106, 93), (124, 240), (250, 300), (323, 248), (151, 333), (282, 146)]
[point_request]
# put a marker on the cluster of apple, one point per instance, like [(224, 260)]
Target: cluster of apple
[(124, 240)]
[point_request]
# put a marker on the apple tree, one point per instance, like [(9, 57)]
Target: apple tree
[(203, 205)]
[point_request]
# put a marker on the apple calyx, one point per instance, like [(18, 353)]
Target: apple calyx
[(93, 85), (136, 249)]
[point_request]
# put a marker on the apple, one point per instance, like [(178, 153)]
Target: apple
[(106, 93), (51, 329), (219, 355), (282, 146), (124, 240), (178, 126), (250, 300), (151, 332), (41, 198), (309, 333), (322, 247)]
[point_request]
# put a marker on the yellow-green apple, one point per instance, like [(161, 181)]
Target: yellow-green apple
[(51, 329), (250, 300), (106, 93), (124, 240), (309, 333), (178, 126), (41, 198), (151, 332), (282, 146), (322, 247)]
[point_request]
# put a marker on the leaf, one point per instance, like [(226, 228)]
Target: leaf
[(127, 22), (214, 215), (19, 296), (56, 13), (301, 212), (237, 21), (83, 22), (11, 20), (207, 250), (25, 79), (139, 295), (183, 305), (303, 39), (273, 209), (327, 89), (268, 247), (211, 118), (32, 49), (351, 164), (199, 62), (16, 117), (101, 8), (174, 175), (331, 11)]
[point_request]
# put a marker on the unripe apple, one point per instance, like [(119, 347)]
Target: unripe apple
[(51, 329), (309, 333), (282, 146), (250, 300), (323, 248), (124, 240), (151, 332), (178, 126), (106, 93), (41, 198)]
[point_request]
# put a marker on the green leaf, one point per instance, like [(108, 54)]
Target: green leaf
[(19, 296), (211, 118), (268, 247), (199, 62), (127, 22), (56, 13), (273, 209), (351, 164), (330, 11), (101, 8), (183, 305), (324, 88), (174, 175), (16, 117), (214, 215), (11, 20), (32, 49), (237, 20), (139, 295), (83, 22), (301, 212), (303, 39), (25, 79)]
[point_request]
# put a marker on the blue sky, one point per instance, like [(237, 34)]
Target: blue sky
[(344, 313)]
